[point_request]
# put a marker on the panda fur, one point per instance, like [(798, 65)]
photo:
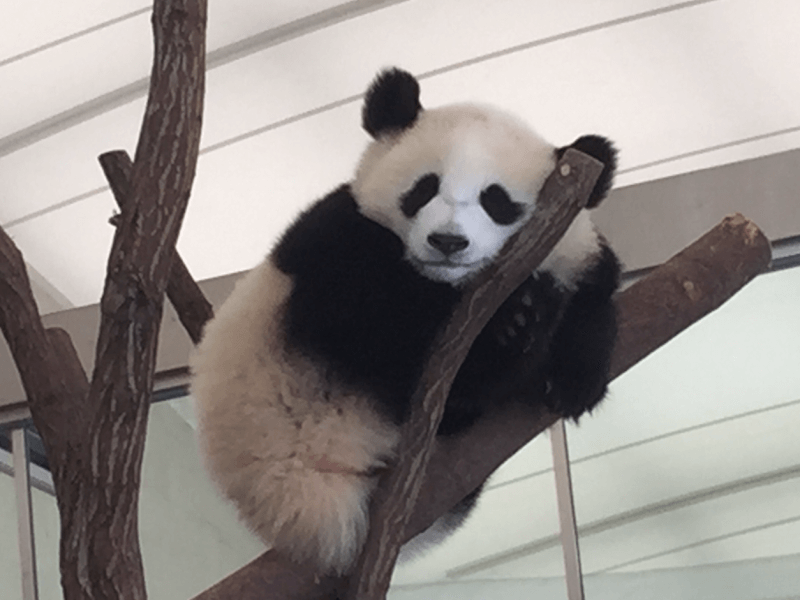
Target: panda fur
[(304, 376)]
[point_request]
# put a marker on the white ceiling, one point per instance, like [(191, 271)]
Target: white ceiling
[(680, 86)]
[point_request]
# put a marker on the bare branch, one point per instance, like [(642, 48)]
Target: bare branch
[(193, 308), (106, 532), (691, 284), (54, 381)]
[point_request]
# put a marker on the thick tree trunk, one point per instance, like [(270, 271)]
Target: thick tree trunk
[(94, 431)]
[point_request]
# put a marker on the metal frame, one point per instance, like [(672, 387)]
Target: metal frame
[(566, 512), (22, 484)]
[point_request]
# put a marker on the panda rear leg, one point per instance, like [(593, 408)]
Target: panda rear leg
[(311, 515)]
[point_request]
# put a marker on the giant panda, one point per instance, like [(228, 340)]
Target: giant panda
[(303, 378)]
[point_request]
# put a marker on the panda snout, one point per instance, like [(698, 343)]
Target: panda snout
[(448, 243)]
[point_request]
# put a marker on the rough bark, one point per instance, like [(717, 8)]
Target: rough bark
[(691, 284), (94, 432), (651, 312), (193, 308), (131, 309)]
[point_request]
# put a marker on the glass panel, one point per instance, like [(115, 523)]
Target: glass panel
[(10, 573), (190, 537), (687, 478), (46, 533)]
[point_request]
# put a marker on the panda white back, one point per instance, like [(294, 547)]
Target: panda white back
[(304, 377)]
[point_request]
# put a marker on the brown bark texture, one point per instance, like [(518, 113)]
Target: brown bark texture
[(94, 431), (193, 308), (673, 296)]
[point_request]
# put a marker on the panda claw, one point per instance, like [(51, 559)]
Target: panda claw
[(529, 345)]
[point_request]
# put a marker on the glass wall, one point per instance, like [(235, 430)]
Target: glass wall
[(687, 480)]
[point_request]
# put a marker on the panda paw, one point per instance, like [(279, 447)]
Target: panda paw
[(522, 324)]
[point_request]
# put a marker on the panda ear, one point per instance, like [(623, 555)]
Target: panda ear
[(391, 103), (601, 149)]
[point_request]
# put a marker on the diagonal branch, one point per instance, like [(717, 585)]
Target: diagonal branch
[(564, 194), (651, 312), (193, 308), (52, 376)]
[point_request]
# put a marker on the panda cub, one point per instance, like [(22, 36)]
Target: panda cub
[(303, 378)]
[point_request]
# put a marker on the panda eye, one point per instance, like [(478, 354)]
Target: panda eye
[(499, 205), (423, 191)]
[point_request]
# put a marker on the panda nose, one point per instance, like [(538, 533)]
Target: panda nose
[(448, 243)]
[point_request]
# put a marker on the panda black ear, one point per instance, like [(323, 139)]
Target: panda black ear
[(391, 103), (602, 149)]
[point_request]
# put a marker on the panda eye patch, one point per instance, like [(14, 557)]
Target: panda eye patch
[(499, 205), (423, 191)]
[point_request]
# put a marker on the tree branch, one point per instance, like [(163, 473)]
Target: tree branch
[(131, 307), (94, 432), (193, 308), (650, 313), (688, 286), (54, 381)]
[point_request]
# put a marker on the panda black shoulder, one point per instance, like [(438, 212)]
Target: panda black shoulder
[(357, 305), (331, 228)]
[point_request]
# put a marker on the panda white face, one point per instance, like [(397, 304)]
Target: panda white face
[(454, 186)]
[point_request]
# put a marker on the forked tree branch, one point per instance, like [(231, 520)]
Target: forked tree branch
[(94, 432), (193, 308)]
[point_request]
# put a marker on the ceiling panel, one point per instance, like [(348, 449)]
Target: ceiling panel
[(664, 79)]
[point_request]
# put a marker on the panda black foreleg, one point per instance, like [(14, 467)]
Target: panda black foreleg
[(577, 369), (506, 355), (356, 305)]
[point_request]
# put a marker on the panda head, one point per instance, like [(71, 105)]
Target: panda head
[(455, 182)]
